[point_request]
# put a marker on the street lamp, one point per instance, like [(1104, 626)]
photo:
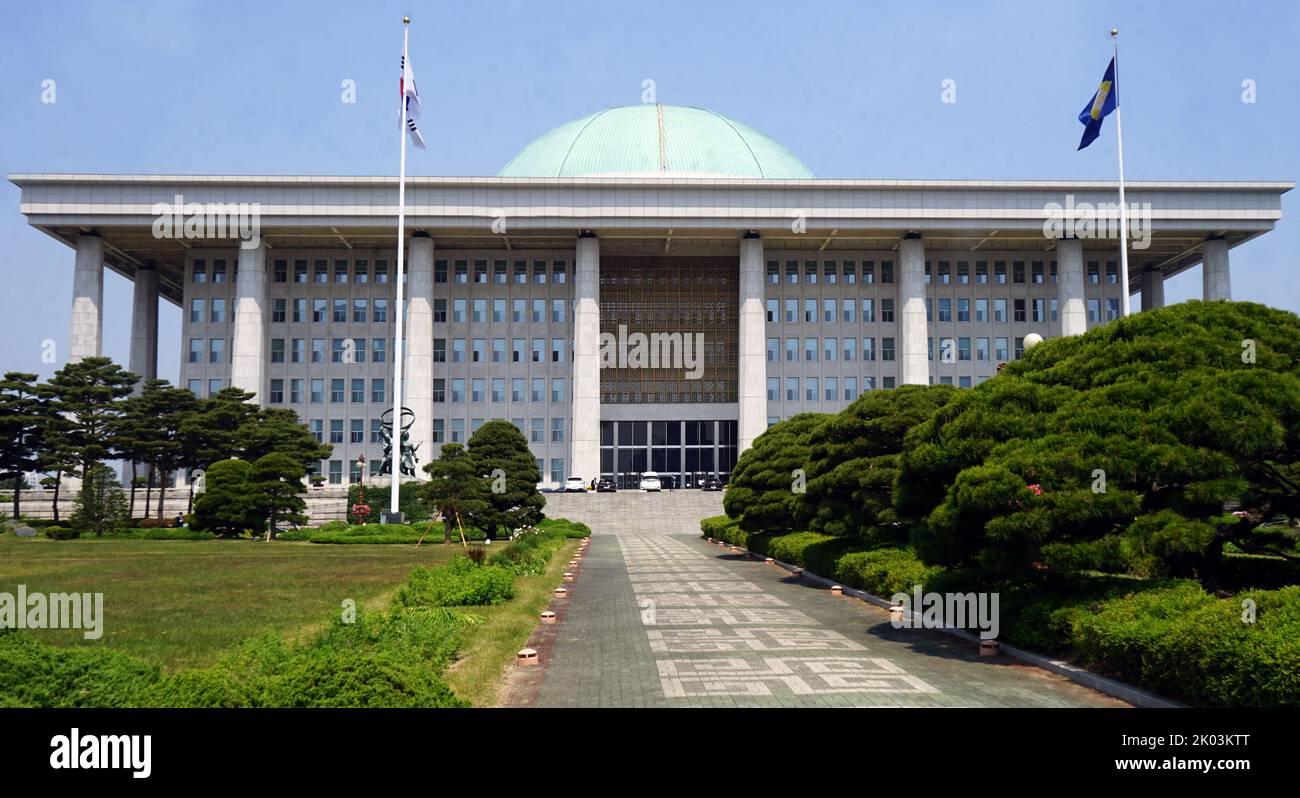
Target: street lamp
[(361, 469)]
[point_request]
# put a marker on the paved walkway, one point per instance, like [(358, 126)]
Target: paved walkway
[(660, 618)]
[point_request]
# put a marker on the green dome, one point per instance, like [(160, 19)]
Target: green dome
[(655, 140)]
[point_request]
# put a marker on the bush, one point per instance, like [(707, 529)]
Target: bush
[(409, 501), (33, 674), (160, 533), (883, 572), (459, 583), (431, 531), (61, 533), (155, 523), (724, 528)]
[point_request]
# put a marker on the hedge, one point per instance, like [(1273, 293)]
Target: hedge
[(458, 583)]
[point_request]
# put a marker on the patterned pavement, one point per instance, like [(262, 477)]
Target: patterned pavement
[(660, 618)]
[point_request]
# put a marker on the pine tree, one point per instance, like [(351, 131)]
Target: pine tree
[(764, 492), (23, 422), (454, 490), (100, 506), (89, 395), (275, 486), (501, 457)]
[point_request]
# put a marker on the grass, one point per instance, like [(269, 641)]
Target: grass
[(181, 604), (478, 675)]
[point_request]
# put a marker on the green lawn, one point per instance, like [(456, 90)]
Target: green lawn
[(181, 603)]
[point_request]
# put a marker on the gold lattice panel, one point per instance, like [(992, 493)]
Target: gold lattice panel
[(694, 296)]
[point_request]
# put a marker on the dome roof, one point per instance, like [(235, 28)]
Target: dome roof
[(658, 141)]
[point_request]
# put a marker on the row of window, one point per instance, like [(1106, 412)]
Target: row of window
[(838, 389), (358, 430), (333, 469), (362, 310), (375, 350), (831, 350), (341, 271), (358, 390), (830, 272)]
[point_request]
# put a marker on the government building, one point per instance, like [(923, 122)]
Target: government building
[(529, 294)]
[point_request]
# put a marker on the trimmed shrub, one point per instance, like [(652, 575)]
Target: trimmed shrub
[(724, 528), (61, 533), (458, 583), (883, 572)]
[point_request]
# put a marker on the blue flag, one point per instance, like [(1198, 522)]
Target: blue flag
[(1101, 104)]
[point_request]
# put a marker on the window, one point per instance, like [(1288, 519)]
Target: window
[(963, 349), (498, 311), (886, 349), (999, 310), (945, 309), (773, 271), (336, 391), (1018, 310), (196, 311), (517, 311), (361, 271), (850, 272), (458, 311), (516, 389), (440, 271), (498, 389), (277, 392), (480, 311), (320, 272), (791, 389), (557, 430), (214, 387), (318, 429), (317, 391), (378, 392), (439, 431), (557, 350), (810, 311), (378, 350), (521, 272), (357, 431), (296, 350), (218, 315), (539, 272), (791, 350), (217, 350), (196, 350), (539, 350), (318, 308), (963, 310), (536, 433), (439, 391), (557, 389), (832, 389), (828, 310), (1018, 271), (218, 271), (379, 310), (498, 350), (480, 272), (538, 389), (1039, 309), (981, 310), (773, 349), (886, 310), (829, 347), (850, 350), (457, 430), (278, 308), (277, 350), (300, 271), (360, 310), (336, 351), (295, 391), (828, 272), (557, 470), (810, 389), (539, 311), (791, 311), (982, 349), (773, 389), (381, 271), (1000, 272), (299, 311), (340, 272), (336, 433), (1094, 310), (358, 392), (462, 271), (981, 272), (478, 350), (499, 272), (458, 390), (199, 272), (773, 308), (810, 350), (1112, 308), (557, 311)]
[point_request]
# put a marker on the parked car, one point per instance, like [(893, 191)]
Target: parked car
[(606, 486), (650, 481), (575, 485), (710, 483)]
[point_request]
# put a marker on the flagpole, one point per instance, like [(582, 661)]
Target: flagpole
[(1123, 208), (395, 439)]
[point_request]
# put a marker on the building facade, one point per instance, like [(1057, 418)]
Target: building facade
[(647, 288)]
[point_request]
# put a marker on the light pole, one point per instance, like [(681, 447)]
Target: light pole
[(361, 469)]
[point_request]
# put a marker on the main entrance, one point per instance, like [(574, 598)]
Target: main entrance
[(687, 451)]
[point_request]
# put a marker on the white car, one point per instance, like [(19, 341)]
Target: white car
[(650, 481), (575, 485)]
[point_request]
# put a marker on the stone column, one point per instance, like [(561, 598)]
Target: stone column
[(585, 459), (914, 330), (1069, 286), (1216, 281), (1153, 289), (417, 367), (751, 387), (248, 352), (86, 328), (144, 325)]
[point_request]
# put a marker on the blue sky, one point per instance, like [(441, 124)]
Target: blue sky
[(853, 88)]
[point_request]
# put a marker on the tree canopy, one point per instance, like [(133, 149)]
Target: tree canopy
[(764, 492), (512, 498), (1145, 445)]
